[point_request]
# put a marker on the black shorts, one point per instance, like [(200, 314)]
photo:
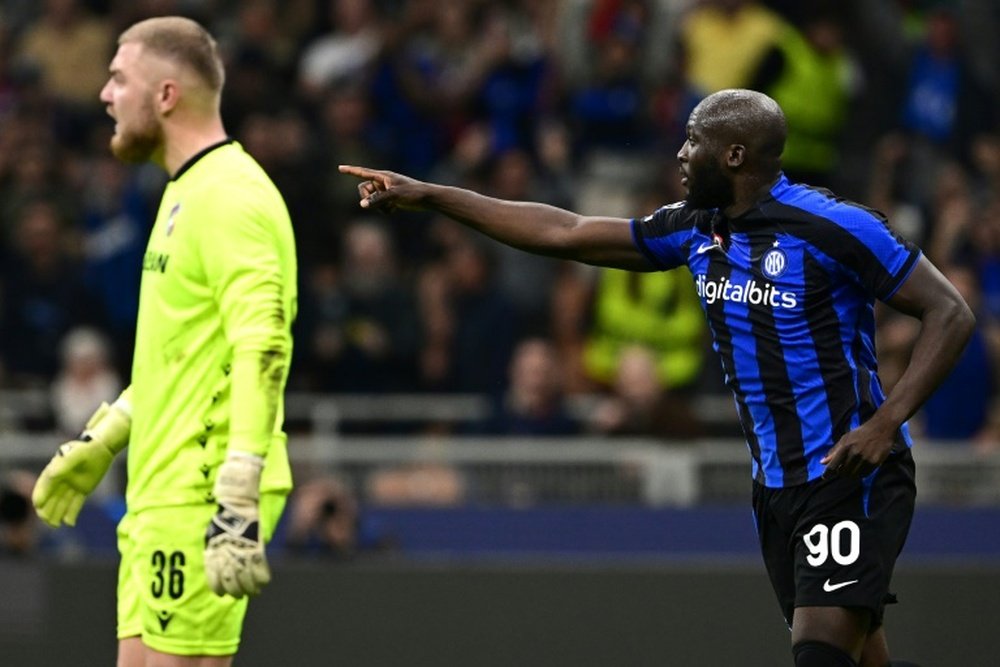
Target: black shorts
[(834, 542)]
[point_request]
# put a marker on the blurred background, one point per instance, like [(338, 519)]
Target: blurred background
[(500, 459)]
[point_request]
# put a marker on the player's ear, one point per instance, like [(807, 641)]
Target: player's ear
[(168, 94), (736, 155)]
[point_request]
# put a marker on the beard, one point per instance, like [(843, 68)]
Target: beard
[(708, 187), (140, 140)]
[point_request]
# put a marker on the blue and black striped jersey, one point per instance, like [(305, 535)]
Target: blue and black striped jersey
[(789, 291)]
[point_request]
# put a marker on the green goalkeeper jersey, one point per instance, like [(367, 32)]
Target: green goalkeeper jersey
[(213, 338)]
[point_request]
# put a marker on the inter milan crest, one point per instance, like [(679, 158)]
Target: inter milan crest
[(170, 218), (774, 263)]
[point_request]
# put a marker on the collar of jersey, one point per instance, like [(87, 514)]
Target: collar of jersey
[(754, 214), (199, 155)]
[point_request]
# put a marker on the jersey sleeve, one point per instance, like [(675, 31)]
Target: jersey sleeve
[(665, 236), (880, 258), (242, 261)]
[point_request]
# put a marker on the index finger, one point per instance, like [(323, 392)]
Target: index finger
[(360, 172), (833, 461)]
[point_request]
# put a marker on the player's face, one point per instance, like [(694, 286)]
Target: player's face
[(702, 175), (128, 96)]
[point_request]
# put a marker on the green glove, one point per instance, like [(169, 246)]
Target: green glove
[(80, 465), (234, 551)]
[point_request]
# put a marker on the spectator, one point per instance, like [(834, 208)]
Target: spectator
[(517, 92), (325, 520), (534, 403), (887, 191), (660, 311), (36, 172), (347, 134), (69, 47), (584, 23), (951, 210), (942, 102), (943, 105), (344, 52), (474, 327), (45, 296), (609, 107), (526, 280), (114, 212), (640, 405), (362, 320), (960, 407), (448, 55), (808, 73), (723, 42), (85, 380), (282, 142)]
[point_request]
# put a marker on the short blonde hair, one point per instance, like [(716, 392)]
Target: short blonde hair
[(181, 41)]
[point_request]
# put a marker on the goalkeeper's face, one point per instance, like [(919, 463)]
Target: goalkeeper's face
[(129, 98)]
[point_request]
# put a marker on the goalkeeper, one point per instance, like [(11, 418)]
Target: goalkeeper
[(207, 462)]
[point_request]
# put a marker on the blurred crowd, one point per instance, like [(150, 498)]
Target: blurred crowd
[(578, 103)]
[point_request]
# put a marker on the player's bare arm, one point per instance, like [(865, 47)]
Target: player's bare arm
[(533, 227), (946, 325)]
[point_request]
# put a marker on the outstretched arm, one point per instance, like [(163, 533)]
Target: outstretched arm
[(946, 325), (533, 227)]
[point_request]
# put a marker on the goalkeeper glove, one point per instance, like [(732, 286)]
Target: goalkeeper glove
[(234, 552), (79, 465)]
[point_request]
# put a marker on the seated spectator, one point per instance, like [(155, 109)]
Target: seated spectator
[(85, 380), (470, 327), (324, 520), (534, 404), (641, 406), (361, 320)]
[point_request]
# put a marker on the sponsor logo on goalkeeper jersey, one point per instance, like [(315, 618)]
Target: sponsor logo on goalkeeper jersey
[(749, 292), (171, 217), (155, 261)]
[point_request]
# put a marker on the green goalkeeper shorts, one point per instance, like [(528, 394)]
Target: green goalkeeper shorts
[(163, 596)]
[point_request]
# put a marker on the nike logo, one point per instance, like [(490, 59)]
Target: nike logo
[(829, 588), (705, 247)]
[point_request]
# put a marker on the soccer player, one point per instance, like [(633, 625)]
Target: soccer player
[(208, 469), (788, 276)]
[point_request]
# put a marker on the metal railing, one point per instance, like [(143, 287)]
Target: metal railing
[(574, 470), (327, 413)]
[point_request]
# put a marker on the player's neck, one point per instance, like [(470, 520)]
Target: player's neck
[(747, 193), (184, 140)]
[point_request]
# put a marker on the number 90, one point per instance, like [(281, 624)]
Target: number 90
[(823, 542)]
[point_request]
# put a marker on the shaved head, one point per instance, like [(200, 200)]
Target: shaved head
[(182, 42), (747, 117)]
